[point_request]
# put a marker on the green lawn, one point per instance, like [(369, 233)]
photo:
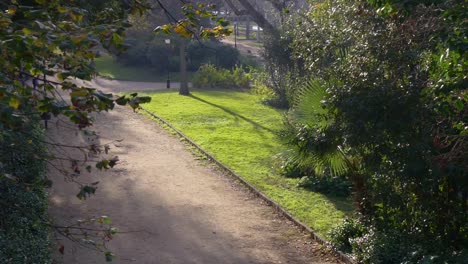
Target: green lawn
[(109, 68), (242, 133)]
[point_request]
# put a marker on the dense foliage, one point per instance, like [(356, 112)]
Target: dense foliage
[(44, 39), (208, 76), (46, 45), (24, 234), (153, 54), (283, 77), (386, 107)]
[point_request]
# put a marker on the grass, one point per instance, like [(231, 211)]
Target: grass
[(109, 68), (242, 133)]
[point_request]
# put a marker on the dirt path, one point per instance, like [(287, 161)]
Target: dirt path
[(246, 47), (173, 208), (127, 86)]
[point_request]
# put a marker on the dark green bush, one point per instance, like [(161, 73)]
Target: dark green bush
[(337, 186), (394, 104), (24, 235), (288, 166), (155, 55), (158, 55), (376, 247), (283, 69), (211, 52), (136, 55), (392, 246)]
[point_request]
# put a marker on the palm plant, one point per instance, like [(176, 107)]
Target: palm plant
[(315, 145)]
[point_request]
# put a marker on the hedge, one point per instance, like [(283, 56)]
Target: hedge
[(24, 234)]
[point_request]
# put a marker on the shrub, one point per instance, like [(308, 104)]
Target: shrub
[(152, 52), (337, 186), (211, 52), (228, 56), (158, 55), (208, 76), (391, 246), (284, 70), (249, 61), (136, 54), (174, 63), (394, 104), (24, 235), (288, 165), (259, 86), (282, 84), (342, 235), (149, 52)]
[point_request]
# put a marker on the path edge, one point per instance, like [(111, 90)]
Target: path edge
[(343, 257)]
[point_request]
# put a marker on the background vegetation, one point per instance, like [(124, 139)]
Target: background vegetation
[(150, 52), (377, 95), (108, 67)]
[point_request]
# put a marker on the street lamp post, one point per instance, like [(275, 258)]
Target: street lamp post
[(168, 83), (235, 35)]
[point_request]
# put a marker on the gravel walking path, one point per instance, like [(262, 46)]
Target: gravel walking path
[(171, 207)]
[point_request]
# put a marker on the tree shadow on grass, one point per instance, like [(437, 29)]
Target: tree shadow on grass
[(255, 124)]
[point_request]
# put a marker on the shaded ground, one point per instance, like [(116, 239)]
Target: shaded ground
[(171, 207)]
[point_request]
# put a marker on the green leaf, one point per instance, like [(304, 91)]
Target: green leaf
[(114, 231), (121, 100), (14, 103), (85, 192), (308, 103), (105, 220), (9, 177), (117, 39), (27, 31), (166, 29), (109, 256), (459, 105), (62, 9)]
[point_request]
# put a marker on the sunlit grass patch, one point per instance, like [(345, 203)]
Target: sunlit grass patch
[(243, 134)]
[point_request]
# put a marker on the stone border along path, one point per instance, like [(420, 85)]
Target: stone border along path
[(170, 207)]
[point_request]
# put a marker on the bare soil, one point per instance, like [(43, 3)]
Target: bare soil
[(171, 206)]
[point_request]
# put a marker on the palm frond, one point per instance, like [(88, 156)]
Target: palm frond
[(330, 162), (324, 156), (307, 106)]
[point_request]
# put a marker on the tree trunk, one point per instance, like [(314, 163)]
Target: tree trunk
[(258, 34), (184, 89)]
